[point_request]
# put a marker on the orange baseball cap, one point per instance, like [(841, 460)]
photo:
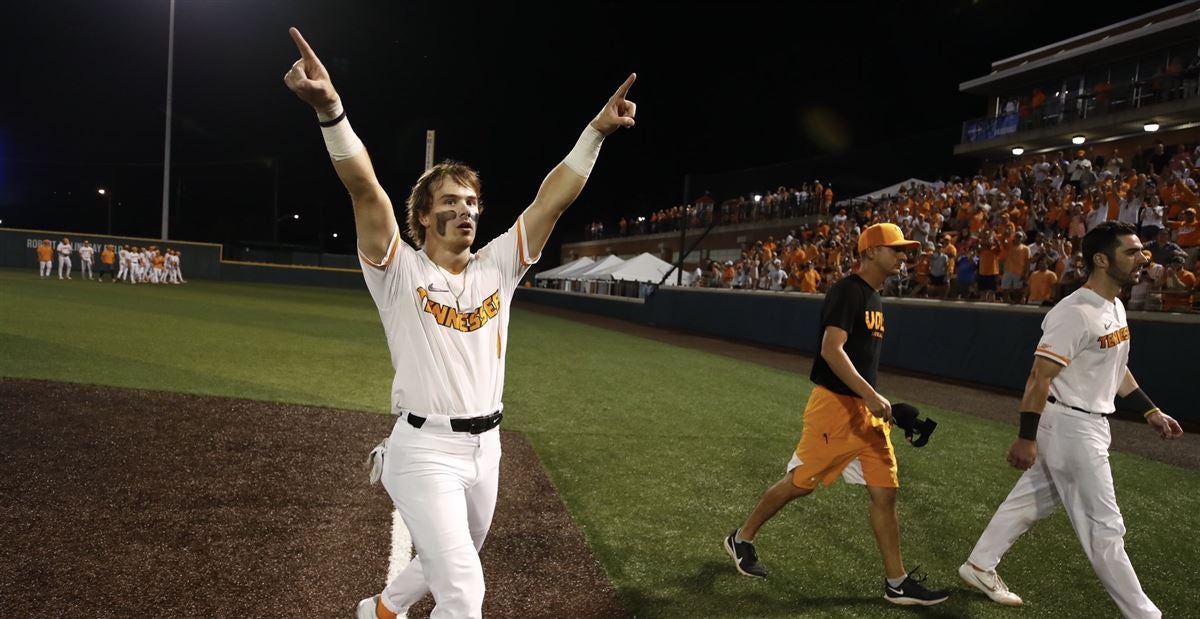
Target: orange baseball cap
[(884, 235)]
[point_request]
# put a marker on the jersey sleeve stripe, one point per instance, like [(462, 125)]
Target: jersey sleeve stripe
[(1059, 359), (521, 242), (390, 253)]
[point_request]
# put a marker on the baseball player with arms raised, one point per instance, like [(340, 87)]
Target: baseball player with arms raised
[(1079, 365), (847, 420), (445, 313)]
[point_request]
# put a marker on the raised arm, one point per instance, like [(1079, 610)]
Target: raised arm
[(566, 180), (374, 220)]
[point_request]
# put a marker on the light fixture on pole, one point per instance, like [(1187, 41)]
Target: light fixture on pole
[(107, 196), (1017, 151), (1077, 140), (335, 235), (1150, 127), (291, 216)]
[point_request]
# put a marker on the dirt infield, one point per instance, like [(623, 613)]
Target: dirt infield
[(1128, 436), (127, 503)]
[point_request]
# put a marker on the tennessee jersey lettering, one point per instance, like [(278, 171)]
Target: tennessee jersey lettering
[(467, 321)]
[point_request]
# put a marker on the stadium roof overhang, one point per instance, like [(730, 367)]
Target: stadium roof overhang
[(1163, 28)]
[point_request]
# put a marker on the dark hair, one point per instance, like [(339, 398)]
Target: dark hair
[(1103, 239), (420, 200)]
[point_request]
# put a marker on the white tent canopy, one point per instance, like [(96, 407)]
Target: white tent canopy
[(564, 270), (894, 189), (644, 268), (600, 270)]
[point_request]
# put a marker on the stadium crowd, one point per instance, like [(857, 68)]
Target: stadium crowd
[(1012, 236), (136, 265), (782, 203)]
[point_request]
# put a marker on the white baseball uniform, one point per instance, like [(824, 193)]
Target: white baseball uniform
[(123, 261), (1089, 337), (64, 259), (447, 335), (135, 267), (85, 260)]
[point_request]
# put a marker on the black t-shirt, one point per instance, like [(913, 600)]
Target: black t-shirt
[(854, 306)]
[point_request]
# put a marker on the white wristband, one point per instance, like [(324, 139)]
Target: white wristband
[(582, 158), (340, 140)]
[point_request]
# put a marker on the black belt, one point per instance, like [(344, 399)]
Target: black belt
[(1054, 400), (473, 425)]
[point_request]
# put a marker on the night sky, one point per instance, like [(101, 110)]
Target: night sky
[(721, 87)]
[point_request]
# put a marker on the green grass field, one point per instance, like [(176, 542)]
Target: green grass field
[(658, 451)]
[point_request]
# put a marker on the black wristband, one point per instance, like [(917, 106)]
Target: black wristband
[(333, 121), (1029, 425), (1141, 402)]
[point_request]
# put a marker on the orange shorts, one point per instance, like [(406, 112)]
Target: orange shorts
[(838, 429)]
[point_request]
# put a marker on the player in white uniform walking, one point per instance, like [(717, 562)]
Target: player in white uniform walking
[(123, 261), (445, 313), (1079, 366), (135, 265), (85, 259), (64, 250)]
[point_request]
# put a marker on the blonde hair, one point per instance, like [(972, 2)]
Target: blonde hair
[(420, 199)]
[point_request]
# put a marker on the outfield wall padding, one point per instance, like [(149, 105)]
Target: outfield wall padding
[(18, 248), (983, 344), (294, 275)]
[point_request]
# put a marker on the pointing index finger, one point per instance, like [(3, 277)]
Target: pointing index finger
[(306, 51), (624, 88)]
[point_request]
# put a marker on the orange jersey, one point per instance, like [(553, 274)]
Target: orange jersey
[(45, 253), (989, 261), (1189, 234), (1017, 259), (809, 280), (106, 256), (1041, 285)]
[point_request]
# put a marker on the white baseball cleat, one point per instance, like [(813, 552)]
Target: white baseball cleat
[(366, 608), (990, 583)]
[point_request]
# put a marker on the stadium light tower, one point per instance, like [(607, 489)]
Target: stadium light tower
[(166, 186)]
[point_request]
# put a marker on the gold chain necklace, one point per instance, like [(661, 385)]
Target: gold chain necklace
[(449, 288)]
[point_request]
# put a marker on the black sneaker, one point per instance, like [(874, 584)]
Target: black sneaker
[(912, 593), (744, 557)]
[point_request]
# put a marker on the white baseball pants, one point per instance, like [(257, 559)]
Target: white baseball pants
[(64, 263), (85, 268), (123, 272), (45, 267), (444, 485), (1072, 469)]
